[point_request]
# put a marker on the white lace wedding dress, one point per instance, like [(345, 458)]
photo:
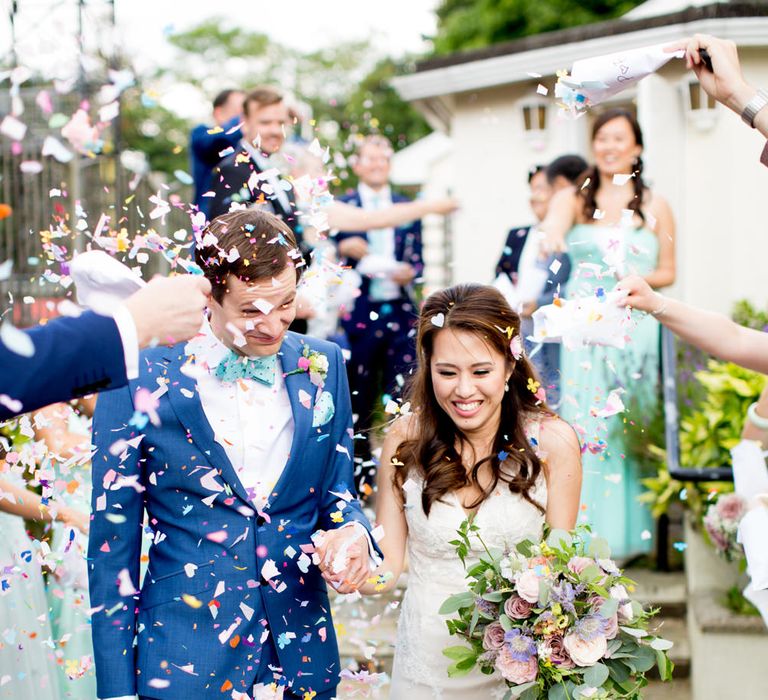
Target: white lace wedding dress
[(435, 572)]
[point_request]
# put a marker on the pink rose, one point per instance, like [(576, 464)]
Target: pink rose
[(578, 564), (493, 638), (517, 672), (304, 363), (730, 507), (554, 648), (517, 608), (527, 585), (585, 653)]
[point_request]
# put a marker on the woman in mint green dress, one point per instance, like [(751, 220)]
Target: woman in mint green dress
[(612, 225)]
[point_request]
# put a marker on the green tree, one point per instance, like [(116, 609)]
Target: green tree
[(473, 24)]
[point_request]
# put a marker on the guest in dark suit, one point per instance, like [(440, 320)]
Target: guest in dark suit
[(71, 357), (536, 282), (380, 326), (247, 176), (207, 144)]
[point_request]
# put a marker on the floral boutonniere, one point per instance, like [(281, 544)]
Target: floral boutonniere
[(315, 363)]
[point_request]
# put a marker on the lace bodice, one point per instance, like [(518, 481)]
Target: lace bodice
[(435, 572)]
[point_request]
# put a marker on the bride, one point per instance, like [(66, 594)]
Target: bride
[(479, 443)]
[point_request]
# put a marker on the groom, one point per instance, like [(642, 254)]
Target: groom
[(238, 445)]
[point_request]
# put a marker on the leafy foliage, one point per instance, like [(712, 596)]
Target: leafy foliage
[(472, 24), (578, 585)]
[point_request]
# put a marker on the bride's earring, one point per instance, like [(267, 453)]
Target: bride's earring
[(506, 386)]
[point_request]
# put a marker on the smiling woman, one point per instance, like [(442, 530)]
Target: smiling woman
[(480, 443)]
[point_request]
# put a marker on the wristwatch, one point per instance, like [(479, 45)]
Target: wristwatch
[(757, 103)]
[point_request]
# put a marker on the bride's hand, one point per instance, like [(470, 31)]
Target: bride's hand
[(346, 541), (639, 294)]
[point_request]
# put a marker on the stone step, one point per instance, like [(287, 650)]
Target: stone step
[(660, 589)]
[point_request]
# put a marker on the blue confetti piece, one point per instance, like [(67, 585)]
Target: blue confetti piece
[(503, 455), (680, 546)]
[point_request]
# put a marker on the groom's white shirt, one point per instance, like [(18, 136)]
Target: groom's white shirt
[(253, 422)]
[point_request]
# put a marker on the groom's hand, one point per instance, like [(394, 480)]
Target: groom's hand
[(343, 558)]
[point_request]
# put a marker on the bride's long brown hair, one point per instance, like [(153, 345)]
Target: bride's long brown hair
[(432, 451)]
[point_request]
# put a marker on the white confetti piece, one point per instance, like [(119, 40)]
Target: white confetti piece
[(269, 570), (263, 305), (438, 320), (622, 179), (5, 270), (55, 148), (13, 128), (554, 268), (125, 586), (190, 569), (16, 341), (542, 90)]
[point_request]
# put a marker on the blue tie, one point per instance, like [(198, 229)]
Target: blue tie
[(234, 366)]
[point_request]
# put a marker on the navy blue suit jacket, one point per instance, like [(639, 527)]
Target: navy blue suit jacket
[(408, 248), (509, 263), (205, 603), (73, 357), (204, 149)]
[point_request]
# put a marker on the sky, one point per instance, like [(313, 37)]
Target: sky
[(46, 29)]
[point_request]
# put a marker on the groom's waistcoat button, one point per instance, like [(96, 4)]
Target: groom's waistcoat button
[(260, 520)]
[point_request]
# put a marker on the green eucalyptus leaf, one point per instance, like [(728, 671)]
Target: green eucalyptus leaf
[(644, 659), (456, 602), (618, 670), (599, 549), (558, 692), (559, 539), (609, 607), (458, 653), (493, 596), (596, 675), (660, 644)]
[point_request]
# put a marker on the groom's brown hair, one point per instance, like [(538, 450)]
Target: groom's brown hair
[(249, 244)]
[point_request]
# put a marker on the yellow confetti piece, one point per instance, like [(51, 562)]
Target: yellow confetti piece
[(191, 601)]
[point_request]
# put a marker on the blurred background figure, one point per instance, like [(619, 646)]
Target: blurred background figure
[(528, 281), (380, 327), (613, 225), (66, 434), (208, 145)]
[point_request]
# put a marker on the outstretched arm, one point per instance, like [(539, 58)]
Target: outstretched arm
[(346, 217), (725, 82), (16, 500), (711, 332)]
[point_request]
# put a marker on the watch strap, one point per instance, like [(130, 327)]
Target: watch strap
[(758, 102)]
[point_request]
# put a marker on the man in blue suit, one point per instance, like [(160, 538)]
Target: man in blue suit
[(239, 447), (208, 145), (381, 325), (71, 357)]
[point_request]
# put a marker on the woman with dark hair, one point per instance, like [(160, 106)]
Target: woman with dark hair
[(478, 443), (612, 225)]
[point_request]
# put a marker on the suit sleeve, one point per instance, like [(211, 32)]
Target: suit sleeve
[(114, 545), (339, 475), (73, 357), (510, 255), (555, 280), (206, 146)]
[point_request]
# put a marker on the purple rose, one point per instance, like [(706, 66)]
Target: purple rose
[(517, 608), (554, 648), (493, 637)]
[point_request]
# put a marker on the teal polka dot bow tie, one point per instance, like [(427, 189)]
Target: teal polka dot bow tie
[(234, 367)]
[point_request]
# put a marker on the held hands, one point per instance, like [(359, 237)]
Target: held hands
[(342, 557), (74, 518), (725, 82), (169, 309)]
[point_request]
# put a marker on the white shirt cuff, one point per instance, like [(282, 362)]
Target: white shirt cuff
[(129, 336), (374, 560)]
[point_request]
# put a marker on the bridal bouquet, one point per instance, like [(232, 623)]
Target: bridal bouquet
[(554, 619)]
